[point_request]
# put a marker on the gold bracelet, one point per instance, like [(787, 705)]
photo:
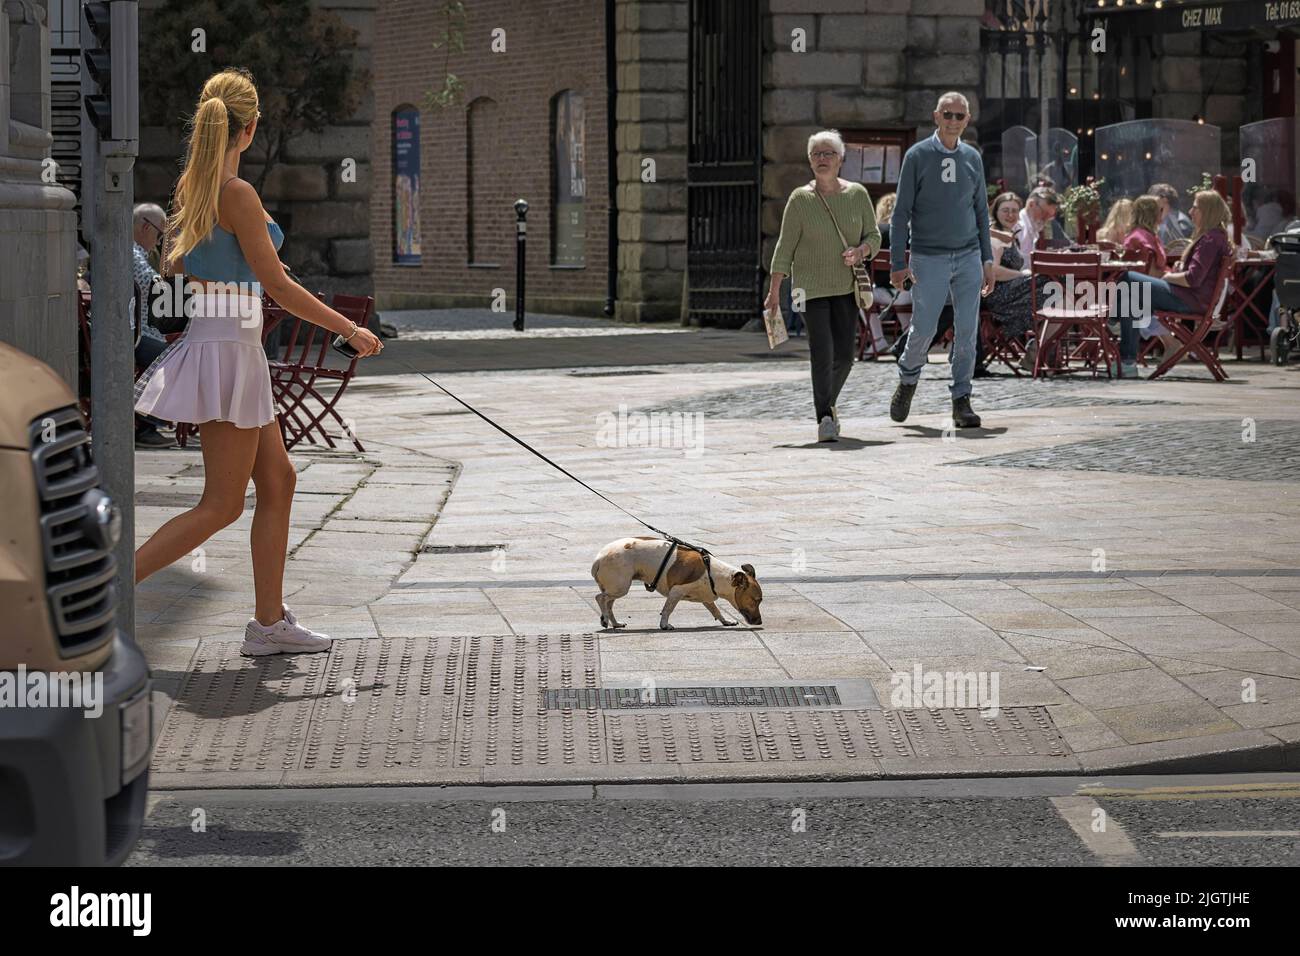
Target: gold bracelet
[(355, 329)]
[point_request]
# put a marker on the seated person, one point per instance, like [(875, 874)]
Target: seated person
[(1142, 244), (1174, 224), (883, 294), (1010, 304), (1189, 290), (1118, 222), (148, 224)]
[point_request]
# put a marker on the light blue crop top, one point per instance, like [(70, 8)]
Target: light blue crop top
[(219, 258)]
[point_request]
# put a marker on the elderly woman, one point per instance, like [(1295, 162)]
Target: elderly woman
[(820, 263)]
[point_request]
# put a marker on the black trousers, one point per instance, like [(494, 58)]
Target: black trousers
[(832, 333)]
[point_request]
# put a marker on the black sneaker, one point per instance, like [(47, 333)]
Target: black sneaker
[(963, 416), (152, 438), (901, 403)]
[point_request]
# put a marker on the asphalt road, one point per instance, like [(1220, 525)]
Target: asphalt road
[(1229, 820)]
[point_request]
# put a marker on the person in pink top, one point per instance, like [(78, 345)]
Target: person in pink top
[(1142, 244), (1191, 288)]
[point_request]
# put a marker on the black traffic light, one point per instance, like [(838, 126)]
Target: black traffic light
[(111, 58)]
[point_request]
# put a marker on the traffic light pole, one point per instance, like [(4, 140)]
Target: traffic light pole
[(111, 55)]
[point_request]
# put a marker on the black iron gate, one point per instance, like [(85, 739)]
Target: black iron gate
[(724, 162)]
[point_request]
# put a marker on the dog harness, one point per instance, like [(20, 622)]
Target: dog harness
[(668, 556)]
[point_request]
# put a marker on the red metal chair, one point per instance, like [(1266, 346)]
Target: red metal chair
[(878, 269), (998, 346), (1072, 330), (301, 376), (1192, 330)]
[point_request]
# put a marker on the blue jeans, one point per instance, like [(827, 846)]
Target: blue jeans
[(958, 275), (1162, 300)]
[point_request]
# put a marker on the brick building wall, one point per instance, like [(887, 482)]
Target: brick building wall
[(507, 100)]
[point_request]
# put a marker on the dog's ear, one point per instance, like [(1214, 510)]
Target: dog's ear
[(749, 569), (738, 580)]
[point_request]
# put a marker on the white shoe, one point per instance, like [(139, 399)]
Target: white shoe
[(285, 636), (835, 417), (826, 429)]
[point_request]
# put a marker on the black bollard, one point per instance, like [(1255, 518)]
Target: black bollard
[(521, 235)]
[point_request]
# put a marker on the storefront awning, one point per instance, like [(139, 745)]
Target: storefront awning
[(1172, 16)]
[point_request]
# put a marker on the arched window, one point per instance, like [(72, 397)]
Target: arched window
[(406, 186), (568, 180), (488, 216)]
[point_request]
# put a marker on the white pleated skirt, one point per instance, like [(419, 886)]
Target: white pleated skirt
[(217, 369)]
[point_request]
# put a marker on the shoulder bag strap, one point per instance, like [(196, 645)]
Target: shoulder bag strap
[(833, 219)]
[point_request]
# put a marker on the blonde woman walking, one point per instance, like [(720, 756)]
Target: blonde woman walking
[(216, 375), (820, 220)]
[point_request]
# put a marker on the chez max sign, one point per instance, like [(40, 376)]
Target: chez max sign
[(1225, 15)]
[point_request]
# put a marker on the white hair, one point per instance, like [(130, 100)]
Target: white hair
[(952, 95), (831, 136), (148, 210)]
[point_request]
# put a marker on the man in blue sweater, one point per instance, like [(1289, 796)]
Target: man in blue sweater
[(943, 210)]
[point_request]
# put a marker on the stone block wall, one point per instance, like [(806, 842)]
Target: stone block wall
[(38, 226), (1188, 81), (326, 219), (865, 63), (652, 103)]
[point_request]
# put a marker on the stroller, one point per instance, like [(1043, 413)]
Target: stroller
[(1285, 339)]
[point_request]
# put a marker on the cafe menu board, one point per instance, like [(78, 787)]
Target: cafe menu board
[(406, 187), (871, 163)]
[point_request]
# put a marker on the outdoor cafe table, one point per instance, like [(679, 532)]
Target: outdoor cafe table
[(1249, 305)]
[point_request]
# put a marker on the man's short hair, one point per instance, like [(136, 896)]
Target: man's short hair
[(148, 210), (1044, 195), (1166, 192), (952, 95)]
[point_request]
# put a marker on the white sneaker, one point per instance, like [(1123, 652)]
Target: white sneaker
[(285, 636), (826, 429), (836, 419)]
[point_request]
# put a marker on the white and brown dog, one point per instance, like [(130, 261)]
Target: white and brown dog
[(685, 577)]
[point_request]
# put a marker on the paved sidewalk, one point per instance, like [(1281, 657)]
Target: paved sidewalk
[(1124, 557)]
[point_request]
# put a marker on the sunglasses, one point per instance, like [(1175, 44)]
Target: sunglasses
[(950, 115)]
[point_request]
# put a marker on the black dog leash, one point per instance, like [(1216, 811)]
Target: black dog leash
[(675, 542)]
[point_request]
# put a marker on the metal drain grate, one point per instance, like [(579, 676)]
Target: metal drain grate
[(455, 709), (460, 548), (718, 695)]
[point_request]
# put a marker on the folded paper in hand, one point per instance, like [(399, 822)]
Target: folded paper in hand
[(774, 321)]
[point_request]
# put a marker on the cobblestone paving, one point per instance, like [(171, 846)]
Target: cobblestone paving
[(1197, 449), (868, 390)]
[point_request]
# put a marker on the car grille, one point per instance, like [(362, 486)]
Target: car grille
[(79, 573)]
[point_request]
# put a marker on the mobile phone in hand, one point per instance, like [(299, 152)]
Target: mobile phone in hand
[(344, 348)]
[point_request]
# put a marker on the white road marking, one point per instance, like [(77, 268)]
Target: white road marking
[(1111, 845), (1198, 834)]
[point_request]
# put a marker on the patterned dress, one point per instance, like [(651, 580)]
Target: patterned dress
[(1011, 303)]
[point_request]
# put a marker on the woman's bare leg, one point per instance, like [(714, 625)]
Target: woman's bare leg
[(275, 479), (228, 454)]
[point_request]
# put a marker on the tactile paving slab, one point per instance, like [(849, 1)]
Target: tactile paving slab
[(453, 709)]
